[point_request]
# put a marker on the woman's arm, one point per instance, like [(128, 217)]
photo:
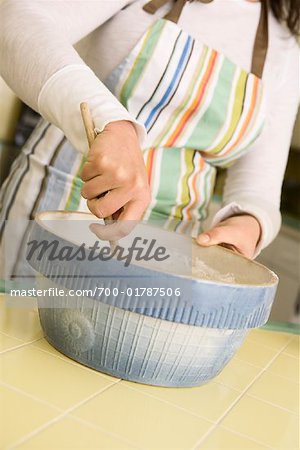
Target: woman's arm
[(39, 63), (253, 184)]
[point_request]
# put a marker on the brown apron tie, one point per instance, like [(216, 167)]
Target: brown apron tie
[(261, 39), (261, 42), (175, 12), (173, 15), (152, 6)]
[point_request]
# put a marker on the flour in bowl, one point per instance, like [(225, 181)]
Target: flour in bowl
[(202, 270)]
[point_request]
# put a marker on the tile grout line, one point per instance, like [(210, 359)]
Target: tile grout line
[(89, 398), (60, 416), (64, 358), (259, 330), (32, 397), (274, 404), (209, 432), (20, 339), (98, 427), (236, 358), (9, 335), (219, 421), (250, 438), (69, 360), (256, 367), (272, 348), (259, 398), (269, 346), (168, 403), (292, 356), (262, 369), (45, 402), (66, 414), (11, 349), (272, 373)]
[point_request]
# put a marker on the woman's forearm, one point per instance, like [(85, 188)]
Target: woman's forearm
[(39, 63), (37, 37)]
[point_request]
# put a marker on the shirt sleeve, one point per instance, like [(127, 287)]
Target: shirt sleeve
[(39, 62), (253, 183)]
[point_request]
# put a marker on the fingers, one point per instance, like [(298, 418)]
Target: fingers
[(107, 205), (230, 247), (231, 237), (113, 232), (129, 217), (95, 165), (98, 160), (133, 210), (89, 171), (96, 186), (115, 200), (215, 236)]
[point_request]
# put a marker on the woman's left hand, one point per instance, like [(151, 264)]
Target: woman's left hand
[(240, 233)]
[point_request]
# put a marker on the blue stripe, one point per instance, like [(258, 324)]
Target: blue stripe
[(59, 178), (17, 183), (179, 69)]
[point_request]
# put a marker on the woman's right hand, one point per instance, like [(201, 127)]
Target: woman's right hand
[(115, 166)]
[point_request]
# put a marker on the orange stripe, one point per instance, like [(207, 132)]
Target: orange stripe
[(196, 102), (149, 164), (248, 118)]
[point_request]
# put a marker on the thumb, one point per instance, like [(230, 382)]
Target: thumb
[(211, 237), (215, 236)]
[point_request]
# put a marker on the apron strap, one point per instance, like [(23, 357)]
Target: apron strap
[(173, 15), (152, 6), (260, 47), (176, 10), (261, 39)]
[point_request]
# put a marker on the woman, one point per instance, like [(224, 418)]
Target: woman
[(152, 85)]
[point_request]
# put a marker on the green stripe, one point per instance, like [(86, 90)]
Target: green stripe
[(73, 201), (141, 61), (236, 111), (227, 161), (254, 127), (210, 124), (168, 176), (185, 193), (209, 184)]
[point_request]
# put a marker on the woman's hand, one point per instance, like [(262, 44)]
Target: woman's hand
[(115, 167), (240, 233)]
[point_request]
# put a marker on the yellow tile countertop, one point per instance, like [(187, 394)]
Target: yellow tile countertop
[(48, 401)]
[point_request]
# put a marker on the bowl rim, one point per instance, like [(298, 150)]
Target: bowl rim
[(274, 279)]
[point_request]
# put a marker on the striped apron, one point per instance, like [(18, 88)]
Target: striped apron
[(200, 109)]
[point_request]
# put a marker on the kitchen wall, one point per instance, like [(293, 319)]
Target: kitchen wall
[(10, 107), (296, 136)]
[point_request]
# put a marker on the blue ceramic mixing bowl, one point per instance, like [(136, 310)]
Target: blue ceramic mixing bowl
[(136, 347), (225, 291), (166, 341)]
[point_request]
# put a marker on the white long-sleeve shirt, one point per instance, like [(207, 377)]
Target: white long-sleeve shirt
[(40, 63)]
